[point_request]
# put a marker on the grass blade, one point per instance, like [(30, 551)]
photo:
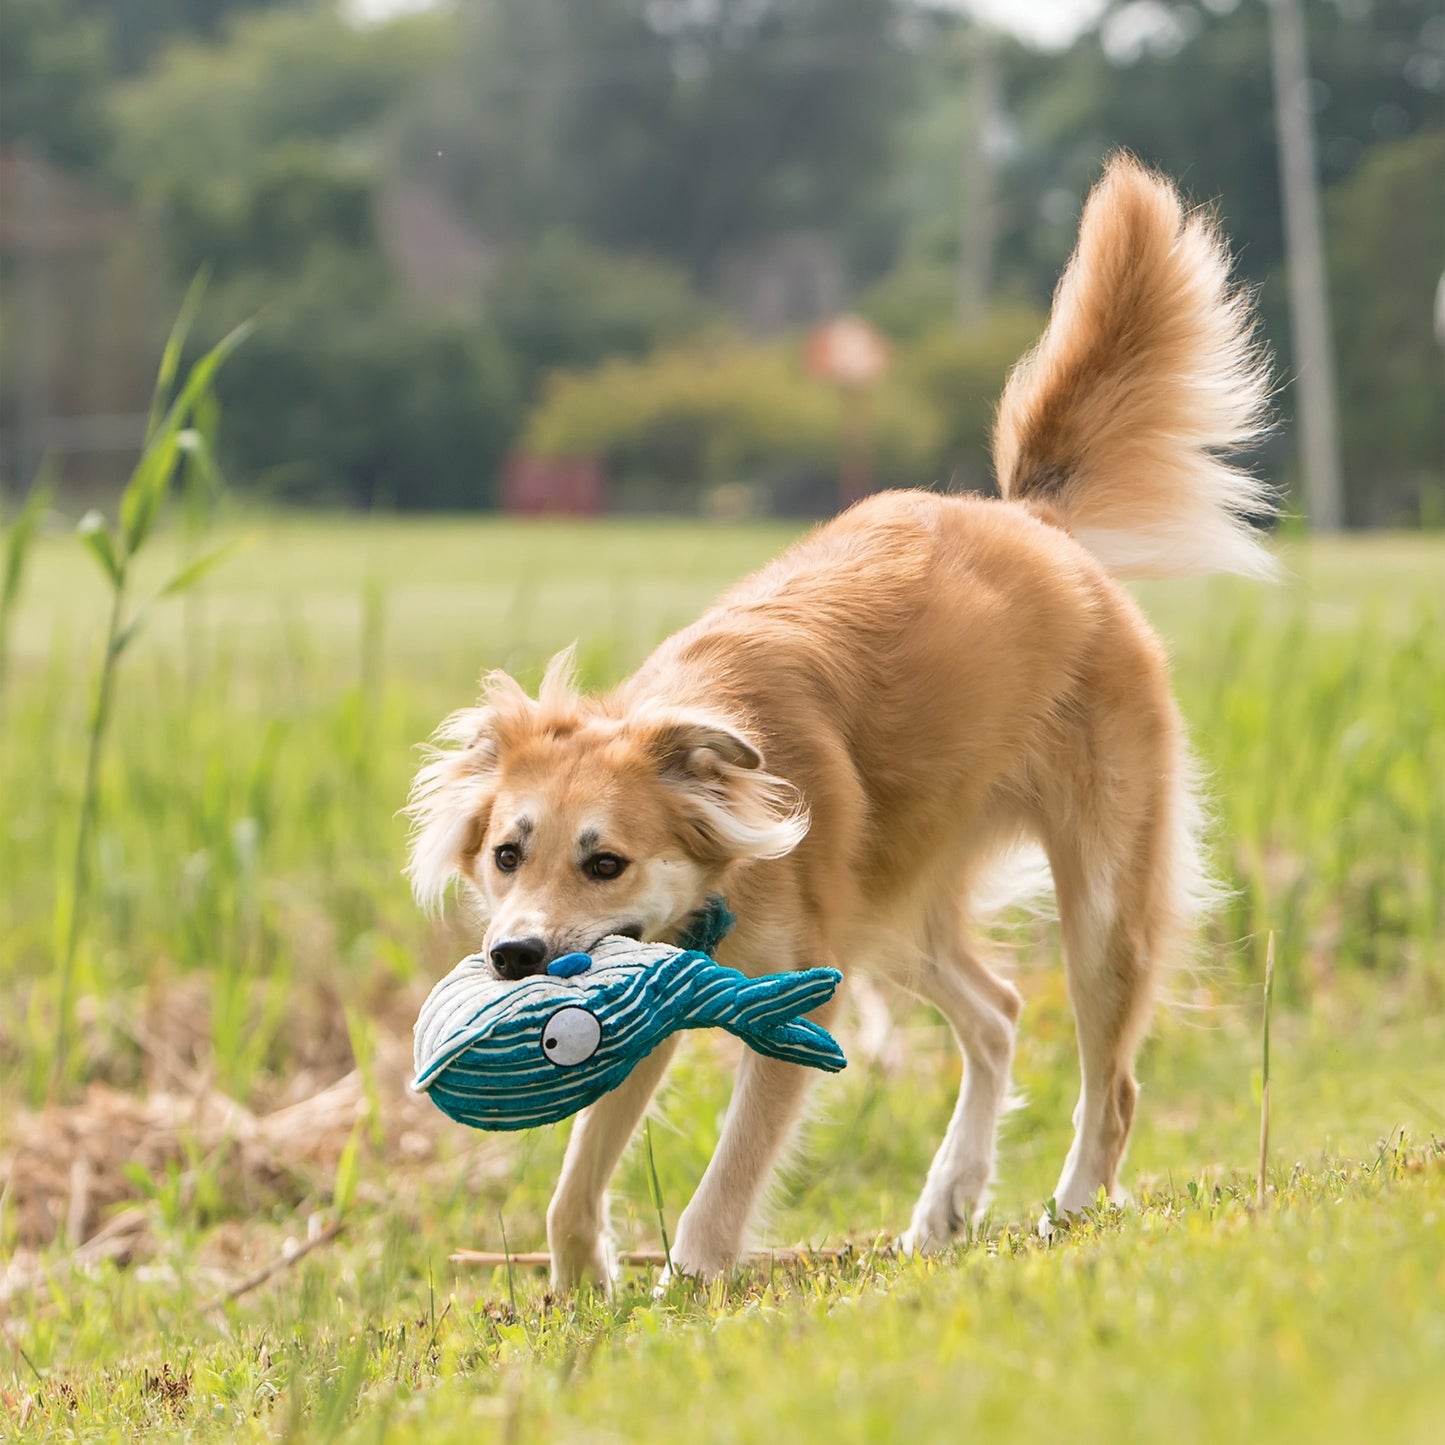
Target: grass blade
[(655, 1186), (340, 1395), (507, 1254), (343, 1189), (95, 537), (1264, 1051), (186, 577), (19, 538), (175, 344), (141, 502)]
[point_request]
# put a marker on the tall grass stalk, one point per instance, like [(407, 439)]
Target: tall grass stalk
[(169, 441), (19, 537), (1264, 1070), (655, 1187), (507, 1254)]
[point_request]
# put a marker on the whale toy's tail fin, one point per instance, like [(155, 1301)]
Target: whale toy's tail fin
[(761, 1002), (798, 1042), (764, 1014)]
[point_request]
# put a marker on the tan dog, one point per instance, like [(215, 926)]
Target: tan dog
[(850, 738)]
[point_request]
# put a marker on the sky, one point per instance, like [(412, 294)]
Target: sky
[(1048, 23)]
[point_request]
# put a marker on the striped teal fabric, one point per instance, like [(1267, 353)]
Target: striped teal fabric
[(495, 1054)]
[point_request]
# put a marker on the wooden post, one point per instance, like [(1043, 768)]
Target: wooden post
[(1314, 364), (974, 277)]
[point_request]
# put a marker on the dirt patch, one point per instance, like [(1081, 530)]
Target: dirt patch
[(93, 1175)]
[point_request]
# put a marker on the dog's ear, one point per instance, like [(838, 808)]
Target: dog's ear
[(693, 744), (729, 808), (450, 802), (451, 796)]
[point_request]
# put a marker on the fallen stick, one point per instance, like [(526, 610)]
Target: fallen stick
[(540, 1259), (284, 1261)]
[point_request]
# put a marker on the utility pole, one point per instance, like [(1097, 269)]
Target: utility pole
[(974, 281), (1314, 362)]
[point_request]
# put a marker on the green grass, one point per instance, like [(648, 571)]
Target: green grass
[(252, 934)]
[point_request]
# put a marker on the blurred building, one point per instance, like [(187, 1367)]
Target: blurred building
[(78, 276)]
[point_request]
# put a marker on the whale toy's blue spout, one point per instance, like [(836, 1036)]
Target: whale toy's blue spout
[(495, 1054)]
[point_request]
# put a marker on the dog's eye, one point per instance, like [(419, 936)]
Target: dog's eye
[(508, 858), (603, 866)]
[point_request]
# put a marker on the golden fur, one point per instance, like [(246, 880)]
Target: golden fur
[(852, 738)]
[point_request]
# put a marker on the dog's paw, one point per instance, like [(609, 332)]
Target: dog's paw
[(668, 1277), (581, 1256), (927, 1234), (941, 1215), (1067, 1206), (700, 1253), (573, 1268)]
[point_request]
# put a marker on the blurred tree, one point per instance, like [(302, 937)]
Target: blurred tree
[(303, 196), (686, 419), (266, 155), (349, 393), (212, 114), (960, 378), (1386, 257), (783, 117), (607, 163), (53, 66), (660, 125), (140, 28), (1186, 86), (563, 303), (908, 302), (353, 391)]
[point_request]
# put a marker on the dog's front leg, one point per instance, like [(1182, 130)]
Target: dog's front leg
[(577, 1224), (765, 1104)]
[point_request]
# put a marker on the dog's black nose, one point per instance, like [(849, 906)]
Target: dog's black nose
[(518, 957)]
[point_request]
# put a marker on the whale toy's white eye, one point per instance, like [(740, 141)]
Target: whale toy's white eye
[(571, 1035)]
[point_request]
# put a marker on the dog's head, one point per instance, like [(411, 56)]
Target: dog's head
[(570, 819)]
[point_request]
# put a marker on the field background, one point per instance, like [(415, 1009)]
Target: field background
[(254, 961)]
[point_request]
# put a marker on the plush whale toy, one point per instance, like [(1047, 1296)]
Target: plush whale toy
[(497, 1054)]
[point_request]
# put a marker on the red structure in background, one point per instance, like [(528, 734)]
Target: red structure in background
[(853, 356), (848, 352), (567, 486)]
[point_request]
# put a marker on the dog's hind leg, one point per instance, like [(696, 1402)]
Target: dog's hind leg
[(983, 1011), (1128, 880), (577, 1226)]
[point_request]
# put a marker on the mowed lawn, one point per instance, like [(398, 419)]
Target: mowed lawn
[(253, 962)]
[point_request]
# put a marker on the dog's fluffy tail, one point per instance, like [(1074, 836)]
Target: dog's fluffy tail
[(1120, 422)]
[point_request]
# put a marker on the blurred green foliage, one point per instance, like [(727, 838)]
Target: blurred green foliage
[(959, 376), (348, 394), (681, 421), (685, 131), (303, 197), (687, 419), (566, 303), (351, 394), (52, 70), (580, 184), (1390, 362), (138, 29), (213, 113)]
